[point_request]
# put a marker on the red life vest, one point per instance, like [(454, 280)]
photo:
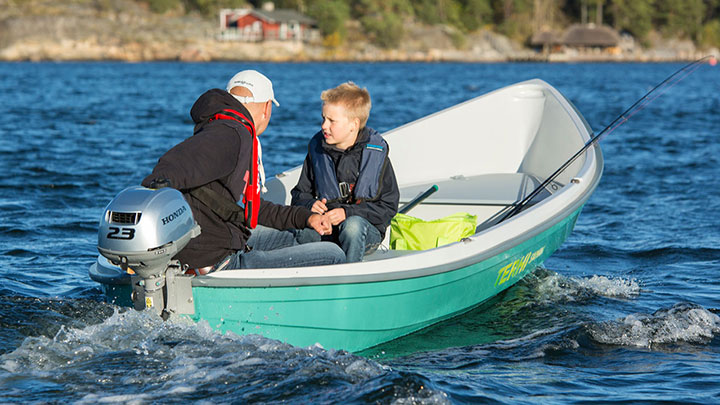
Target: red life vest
[(251, 193)]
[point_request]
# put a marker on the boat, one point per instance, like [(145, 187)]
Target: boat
[(485, 155)]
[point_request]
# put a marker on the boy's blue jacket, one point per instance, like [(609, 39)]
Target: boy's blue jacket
[(375, 199)]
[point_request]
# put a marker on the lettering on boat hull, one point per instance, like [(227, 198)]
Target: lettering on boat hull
[(516, 268)]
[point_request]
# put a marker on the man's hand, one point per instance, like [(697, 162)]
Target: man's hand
[(320, 223), (160, 183), (319, 206), (336, 216)]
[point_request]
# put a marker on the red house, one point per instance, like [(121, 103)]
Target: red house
[(266, 24)]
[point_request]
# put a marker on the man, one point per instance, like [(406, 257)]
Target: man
[(219, 166)]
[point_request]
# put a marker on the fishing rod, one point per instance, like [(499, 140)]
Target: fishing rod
[(663, 86)]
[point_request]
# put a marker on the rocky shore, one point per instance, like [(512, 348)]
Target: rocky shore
[(124, 31)]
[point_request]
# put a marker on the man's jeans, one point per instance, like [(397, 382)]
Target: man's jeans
[(272, 248), (356, 236)]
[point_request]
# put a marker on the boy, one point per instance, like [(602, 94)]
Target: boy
[(347, 175)]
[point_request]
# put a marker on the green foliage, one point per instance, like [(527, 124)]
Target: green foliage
[(505, 10), (427, 11), (634, 16), (710, 35), (161, 6), (682, 17), (382, 20), (514, 18), (212, 7), (466, 15), (331, 16), (438, 11), (458, 39), (475, 13), (293, 4), (385, 29), (366, 8)]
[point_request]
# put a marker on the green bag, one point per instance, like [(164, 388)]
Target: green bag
[(410, 233)]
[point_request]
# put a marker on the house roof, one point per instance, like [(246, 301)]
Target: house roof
[(590, 35), (283, 16), (545, 38)]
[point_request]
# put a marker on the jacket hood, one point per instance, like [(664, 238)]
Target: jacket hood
[(364, 135), (212, 102)]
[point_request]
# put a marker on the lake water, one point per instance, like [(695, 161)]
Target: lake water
[(625, 311)]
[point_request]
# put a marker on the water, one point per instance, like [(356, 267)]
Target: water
[(625, 311)]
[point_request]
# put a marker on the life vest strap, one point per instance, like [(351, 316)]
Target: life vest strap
[(251, 194), (228, 114), (221, 206)]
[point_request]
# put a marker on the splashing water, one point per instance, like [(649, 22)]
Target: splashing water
[(683, 322), (554, 287), (181, 360)]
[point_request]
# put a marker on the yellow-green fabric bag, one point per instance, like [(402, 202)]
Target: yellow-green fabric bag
[(410, 233)]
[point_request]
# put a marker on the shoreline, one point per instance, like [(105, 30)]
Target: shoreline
[(86, 45), (352, 61), (138, 54), (48, 31)]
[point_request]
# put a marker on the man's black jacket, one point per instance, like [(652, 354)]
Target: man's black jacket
[(218, 154)]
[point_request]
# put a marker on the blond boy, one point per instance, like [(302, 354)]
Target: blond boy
[(347, 175)]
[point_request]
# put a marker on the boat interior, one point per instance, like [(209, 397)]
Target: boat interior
[(485, 154)]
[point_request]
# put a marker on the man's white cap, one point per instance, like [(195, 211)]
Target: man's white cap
[(259, 85)]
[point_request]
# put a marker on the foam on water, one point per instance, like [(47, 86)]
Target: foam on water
[(682, 322), (179, 359), (554, 287)]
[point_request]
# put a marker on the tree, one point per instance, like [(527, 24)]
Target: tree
[(362, 8), (212, 7), (300, 5), (682, 18), (514, 17), (599, 11), (385, 29), (161, 6), (710, 35), (331, 16), (383, 19), (437, 11), (475, 13), (546, 14), (634, 16)]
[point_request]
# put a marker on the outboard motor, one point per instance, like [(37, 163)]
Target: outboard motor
[(141, 231)]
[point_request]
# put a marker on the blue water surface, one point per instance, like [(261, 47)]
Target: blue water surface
[(625, 311)]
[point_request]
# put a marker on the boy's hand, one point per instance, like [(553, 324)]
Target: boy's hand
[(319, 206), (320, 223), (336, 215)]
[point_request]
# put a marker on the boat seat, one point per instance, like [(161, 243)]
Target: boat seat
[(492, 190), (485, 189)]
